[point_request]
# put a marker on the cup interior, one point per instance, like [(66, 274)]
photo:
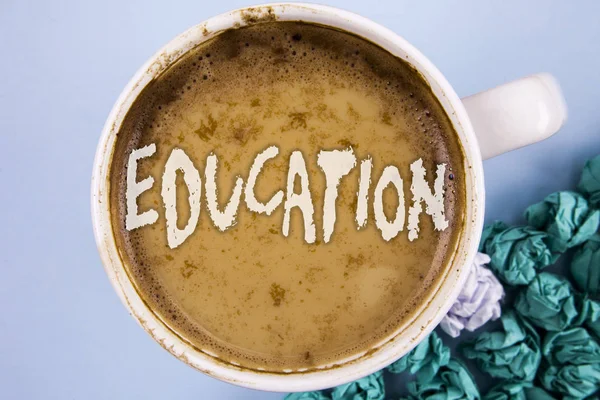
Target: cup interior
[(440, 298)]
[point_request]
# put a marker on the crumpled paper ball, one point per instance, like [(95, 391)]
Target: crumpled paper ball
[(516, 253), (512, 353), (517, 391), (590, 316), (585, 266), (589, 184), (508, 391), (572, 381), (536, 393), (370, 387), (317, 395), (566, 217), (572, 346), (477, 303), (425, 359), (452, 382), (548, 302)]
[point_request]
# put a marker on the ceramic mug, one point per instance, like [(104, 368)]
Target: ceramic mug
[(487, 124)]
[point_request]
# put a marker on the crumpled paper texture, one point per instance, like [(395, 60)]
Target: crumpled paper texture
[(572, 346), (424, 360), (573, 355), (477, 303), (452, 382), (589, 184), (370, 387), (508, 391), (590, 316), (517, 391), (566, 217), (572, 381), (516, 253), (548, 302), (511, 353), (536, 393), (317, 395), (585, 266)]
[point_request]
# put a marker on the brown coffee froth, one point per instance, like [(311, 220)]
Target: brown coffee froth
[(250, 295)]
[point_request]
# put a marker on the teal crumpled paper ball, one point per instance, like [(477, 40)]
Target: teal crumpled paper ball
[(508, 391), (572, 346), (512, 353), (589, 184), (424, 360), (370, 387), (566, 217), (590, 316), (572, 381), (576, 370), (452, 382), (548, 302), (517, 391), (316, 395), (516, 253), (536, 393), (585, 266)]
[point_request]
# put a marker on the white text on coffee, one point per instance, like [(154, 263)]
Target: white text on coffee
[(134, 220), (335, 164)]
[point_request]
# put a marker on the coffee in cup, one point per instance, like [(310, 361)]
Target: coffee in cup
[(285, 195)]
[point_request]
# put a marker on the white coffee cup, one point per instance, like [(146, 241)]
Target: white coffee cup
[(489, 123)]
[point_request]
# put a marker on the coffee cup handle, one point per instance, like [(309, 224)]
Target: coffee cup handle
[(516, 114)]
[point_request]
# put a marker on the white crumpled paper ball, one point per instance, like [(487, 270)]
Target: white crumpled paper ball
[(478, 302)]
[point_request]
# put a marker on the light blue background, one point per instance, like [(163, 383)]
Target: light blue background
[(63, 332)]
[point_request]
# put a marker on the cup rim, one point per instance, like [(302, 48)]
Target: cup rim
[(433, 307)]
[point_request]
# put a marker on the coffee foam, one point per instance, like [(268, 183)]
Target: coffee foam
[(273, 55)]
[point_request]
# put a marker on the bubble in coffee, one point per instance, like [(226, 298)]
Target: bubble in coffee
[(286, 195)]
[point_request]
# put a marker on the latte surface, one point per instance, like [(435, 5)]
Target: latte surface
[(250, 294)]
